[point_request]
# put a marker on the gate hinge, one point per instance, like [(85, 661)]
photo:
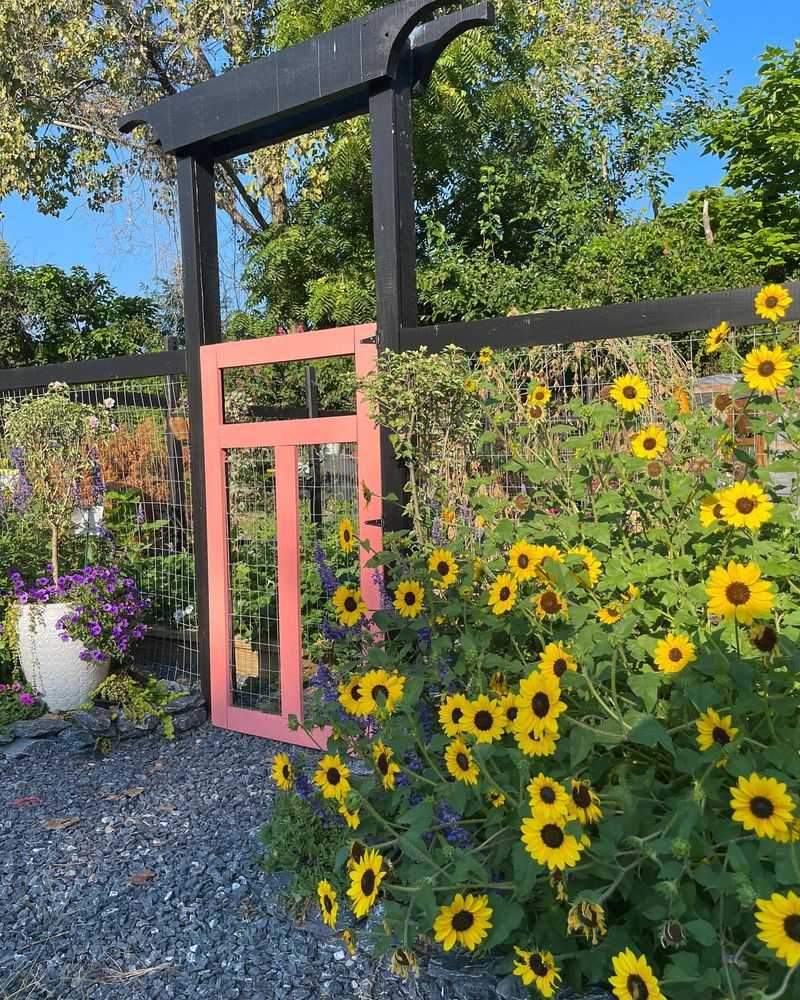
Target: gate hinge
[(376, 522), (371, 340)]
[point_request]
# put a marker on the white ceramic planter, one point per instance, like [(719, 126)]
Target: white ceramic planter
[(53, 667)]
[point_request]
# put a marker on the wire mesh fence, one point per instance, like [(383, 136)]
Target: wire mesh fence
[(140, 517)]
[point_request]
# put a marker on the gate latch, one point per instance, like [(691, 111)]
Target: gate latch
[(371, 340), (376, 522)]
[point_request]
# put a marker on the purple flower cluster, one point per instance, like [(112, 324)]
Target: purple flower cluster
[(16, 692), (107, 608), (450, 819), (326, 574), (21, 498), (379, 579)]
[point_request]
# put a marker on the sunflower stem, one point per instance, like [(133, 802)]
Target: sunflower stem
[(784, 985)]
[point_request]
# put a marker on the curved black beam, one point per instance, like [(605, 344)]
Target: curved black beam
[(431, 39), (303, 87)]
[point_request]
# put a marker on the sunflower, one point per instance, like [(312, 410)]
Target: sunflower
[(548, 843), (548, 800), (674, 652), (509, 707), (460, 763), (778, 920), (387, 768), (540, 703), (351, 697), (521, 560), (448, 515), (716, 337), (745, 505), (549, 604), (714, 730), (470, 386), (633, 978), (556, 660), (332, 777), (365, 880), (328, 904), (498, 683), (283, 772), (649, 443), (382, 691), (485, 355), (764, 638), (591, 564), (503, 594), (737, 591), (792, 835), (584, 803), (408, 598), (535, 746), (451, 714), (710, 510), (766, 368), (443, 565), (349, 606), (466, 921), (351, 817), (630, 393), (588, 919), (539, 969), (772, 302), (484, 719), (347, 539), (542, 552), (762, 805), (403, 963), (539, 395), (610, 614), (355, 854), (496, 799), (349, 941)]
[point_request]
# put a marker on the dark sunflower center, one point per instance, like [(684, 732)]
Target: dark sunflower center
[(550, 602), (328, 904), (791, 926), (675, 654), (720, 735), (511, 712), (737, 593), (523, 561), (538, 395), (286, 771), (547, 795), (350, 604), (766, 639), (552, 836), (538, 965), (629, 392), (383, 764), (761, 807), (368, 882), (649, 443), (745, 505), (504, 594), (581, 797), (559, 666), (717, 511), (463, 761), (410, 598), (357, 851), (333, 775), (540, 703), (484, 720), (637, 988), (380, 689), (456, 714), (536, 412), (462, 921), (355, 692), (346, 535), (443, 568), (766, 368), (771, 301)]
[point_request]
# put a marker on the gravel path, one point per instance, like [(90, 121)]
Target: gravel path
[(131, 876)]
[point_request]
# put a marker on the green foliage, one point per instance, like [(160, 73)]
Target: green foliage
[(12, 709), (673, 870), (137, 697), (297, 840)]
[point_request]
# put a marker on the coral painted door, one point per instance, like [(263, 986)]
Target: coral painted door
[(277, 493)]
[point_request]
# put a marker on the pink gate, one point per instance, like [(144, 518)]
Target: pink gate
[(273, 488)]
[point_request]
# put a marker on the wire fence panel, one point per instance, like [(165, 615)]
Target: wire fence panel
[(141, 517)]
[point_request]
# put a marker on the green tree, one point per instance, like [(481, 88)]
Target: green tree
[(759, 139)]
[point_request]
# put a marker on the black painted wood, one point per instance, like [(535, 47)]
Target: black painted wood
[(100, 370)]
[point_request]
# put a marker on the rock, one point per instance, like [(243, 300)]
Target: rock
[(76, 740), (97, 720), (127, 729), (5, 738), (47, 725), (189, 720), (184, 703)]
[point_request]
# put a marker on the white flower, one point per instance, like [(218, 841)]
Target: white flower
[(109, 403)]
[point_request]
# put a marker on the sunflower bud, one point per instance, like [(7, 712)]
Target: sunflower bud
[(404, 963), (654, 470), (681, 848), (588, 919), (745, 893), (764, 638), (522, 502), (671, 935)]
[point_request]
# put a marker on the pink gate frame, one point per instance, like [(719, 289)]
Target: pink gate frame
[(284, 437)]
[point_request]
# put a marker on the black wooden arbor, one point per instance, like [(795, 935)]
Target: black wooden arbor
[(369, 66)]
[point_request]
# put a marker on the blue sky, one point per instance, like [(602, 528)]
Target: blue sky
[(132, 247)]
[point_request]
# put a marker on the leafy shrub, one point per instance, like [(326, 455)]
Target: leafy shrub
[(18, 701), (137, 696), (578, 702)]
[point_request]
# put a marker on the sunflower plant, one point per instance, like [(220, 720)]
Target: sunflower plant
[(567, 739)]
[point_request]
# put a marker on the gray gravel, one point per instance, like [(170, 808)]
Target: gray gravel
[(143, 885)]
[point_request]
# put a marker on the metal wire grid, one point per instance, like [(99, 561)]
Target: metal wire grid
[(254, 664), (146, 522)]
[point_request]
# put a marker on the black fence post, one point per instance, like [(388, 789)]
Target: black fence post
[(200, 270), (395, 244)]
